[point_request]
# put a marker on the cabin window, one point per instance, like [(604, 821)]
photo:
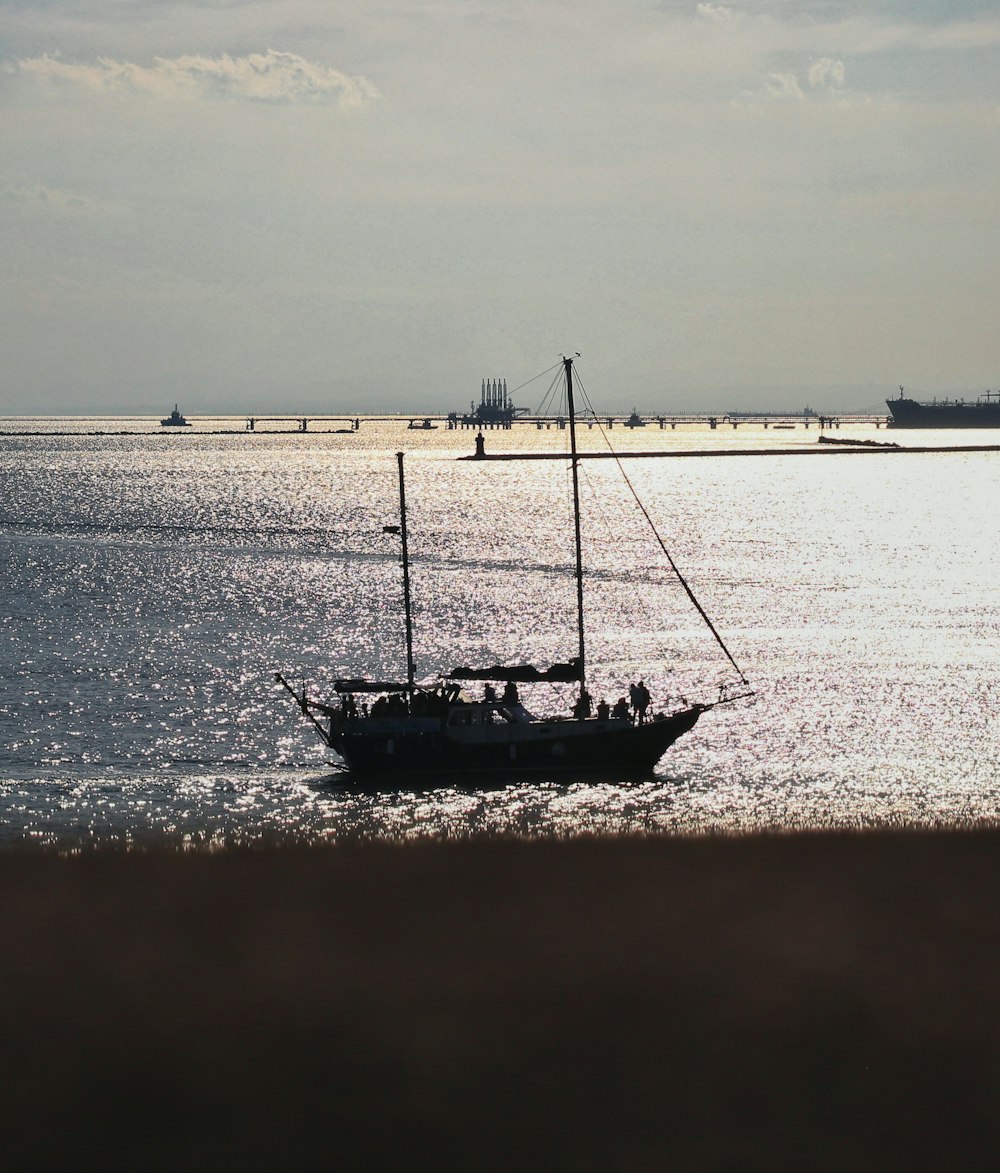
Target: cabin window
[(470, 716)]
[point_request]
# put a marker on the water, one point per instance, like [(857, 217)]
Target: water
[(153, 584)]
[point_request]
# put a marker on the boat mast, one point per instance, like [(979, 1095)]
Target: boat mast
[(406, 575), (568, 366)]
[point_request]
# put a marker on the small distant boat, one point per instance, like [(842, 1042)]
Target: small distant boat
[(174, 420), (635, 420), (423, 426)]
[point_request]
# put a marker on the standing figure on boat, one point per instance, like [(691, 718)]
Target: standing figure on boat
[(582, 708), (641, 701), (489, 694), (510, 694)]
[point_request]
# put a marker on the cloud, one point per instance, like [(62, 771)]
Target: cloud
[(826, 73), (30, 201), (717, 12), (783, 86), (271, 77), (823, 75)]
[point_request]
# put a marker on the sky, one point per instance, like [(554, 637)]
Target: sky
[(331, 205)]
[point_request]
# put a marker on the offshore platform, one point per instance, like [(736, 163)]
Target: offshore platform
[(495, 409)]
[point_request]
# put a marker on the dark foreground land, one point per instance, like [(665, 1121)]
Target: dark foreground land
[(799, 1003)]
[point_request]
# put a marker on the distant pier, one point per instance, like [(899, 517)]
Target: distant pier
[(734, 421), (501, 414), (497, 413), (302, 422)]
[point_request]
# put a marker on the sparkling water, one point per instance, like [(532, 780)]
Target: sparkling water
[(154, 583)]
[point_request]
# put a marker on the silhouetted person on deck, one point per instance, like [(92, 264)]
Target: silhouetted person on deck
[(581, 710), (621, 712), (642, 699), (603, 710), (489, 694), (510, 694)]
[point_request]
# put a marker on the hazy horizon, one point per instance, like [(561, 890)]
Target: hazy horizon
[(336, 208)]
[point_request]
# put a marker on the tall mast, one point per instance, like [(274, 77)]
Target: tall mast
[(568, 365), (406, 575)]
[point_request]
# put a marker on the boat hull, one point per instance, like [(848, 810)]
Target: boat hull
[(908, 413), (593, 746)]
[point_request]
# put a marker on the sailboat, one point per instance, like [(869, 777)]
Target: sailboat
[(412, 728)]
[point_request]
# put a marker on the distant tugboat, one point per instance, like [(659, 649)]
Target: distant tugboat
[(635, 420), (174, 420)]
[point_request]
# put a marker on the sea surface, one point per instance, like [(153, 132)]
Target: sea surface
[(154, 583)]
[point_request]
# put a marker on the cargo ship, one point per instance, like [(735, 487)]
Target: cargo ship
[(984, 412)]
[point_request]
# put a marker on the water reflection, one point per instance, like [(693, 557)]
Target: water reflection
[(145, 616), (253, 809)]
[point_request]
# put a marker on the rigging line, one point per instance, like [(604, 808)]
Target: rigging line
[(596, 507), (673, 565), (534, 377), (614, 541), (650, 578), (550, 394)]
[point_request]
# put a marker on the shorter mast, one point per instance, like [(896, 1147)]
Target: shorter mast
[(568, 366), (406, 576)]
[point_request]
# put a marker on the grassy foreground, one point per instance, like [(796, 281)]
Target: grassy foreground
[(803, 1003)]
